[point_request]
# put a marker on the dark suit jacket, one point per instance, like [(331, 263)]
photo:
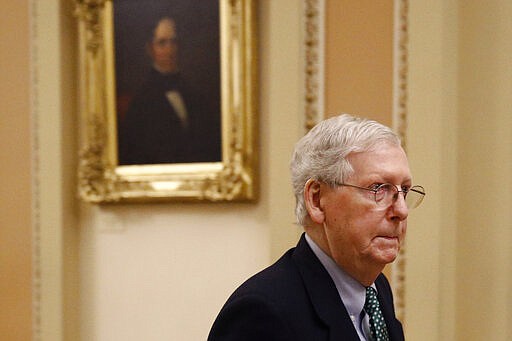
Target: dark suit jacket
[(151, 131), (295, 299)]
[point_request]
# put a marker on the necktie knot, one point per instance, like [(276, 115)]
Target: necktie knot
[(377, 324)]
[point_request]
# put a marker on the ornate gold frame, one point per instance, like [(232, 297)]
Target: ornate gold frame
[(101, 180)]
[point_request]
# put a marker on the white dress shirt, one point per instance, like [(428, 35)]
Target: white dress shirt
[(352, 293)]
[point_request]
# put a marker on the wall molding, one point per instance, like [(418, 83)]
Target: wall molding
[(400, 73), (49, 103), (314, 56), (314, 75), (35, 178)]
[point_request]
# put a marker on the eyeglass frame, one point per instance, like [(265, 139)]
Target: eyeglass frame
[(416, 188)]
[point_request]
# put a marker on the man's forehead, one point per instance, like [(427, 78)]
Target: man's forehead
[(384, 160), (165, 28)]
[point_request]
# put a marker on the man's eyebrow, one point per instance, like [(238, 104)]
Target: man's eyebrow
[(385, 178)]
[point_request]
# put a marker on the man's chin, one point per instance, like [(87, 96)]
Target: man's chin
[(388, 256), (167, 68)]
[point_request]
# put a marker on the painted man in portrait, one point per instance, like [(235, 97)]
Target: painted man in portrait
[(166, 121)]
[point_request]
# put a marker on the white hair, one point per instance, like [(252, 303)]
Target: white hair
[(322, 153)]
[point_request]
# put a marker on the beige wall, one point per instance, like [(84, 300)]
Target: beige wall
[(459, 254), (432, 135), (359, 58), (15, 204), (484, 251), (56, 228)]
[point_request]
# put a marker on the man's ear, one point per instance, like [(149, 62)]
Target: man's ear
[(312, 191)]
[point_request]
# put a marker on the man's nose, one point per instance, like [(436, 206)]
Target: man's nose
[(399, 207)]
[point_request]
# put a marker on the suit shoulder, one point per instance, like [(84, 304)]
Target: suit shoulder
[(257, 309), (273, 279)]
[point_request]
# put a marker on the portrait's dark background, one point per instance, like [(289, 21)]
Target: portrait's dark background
[(197, 25)]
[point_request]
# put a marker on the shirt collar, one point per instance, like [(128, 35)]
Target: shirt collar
[(352, 293)]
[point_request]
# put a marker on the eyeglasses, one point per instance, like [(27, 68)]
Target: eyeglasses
[(386, 195)]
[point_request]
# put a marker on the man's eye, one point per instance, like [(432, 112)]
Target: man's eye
[(375, 187)]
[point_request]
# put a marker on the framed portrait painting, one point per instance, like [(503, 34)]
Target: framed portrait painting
[(167, 100)]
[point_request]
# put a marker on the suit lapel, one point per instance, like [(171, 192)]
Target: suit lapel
[(385, 298), (322, 293)]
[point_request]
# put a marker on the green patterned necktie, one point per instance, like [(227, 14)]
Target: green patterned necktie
[(377, 324)]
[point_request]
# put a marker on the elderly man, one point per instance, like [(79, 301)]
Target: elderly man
[(354, 190)]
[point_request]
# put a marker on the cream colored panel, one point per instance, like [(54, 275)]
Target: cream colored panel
[(484, 252)]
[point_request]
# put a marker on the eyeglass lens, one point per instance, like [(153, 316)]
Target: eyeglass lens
[(387, 194)]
